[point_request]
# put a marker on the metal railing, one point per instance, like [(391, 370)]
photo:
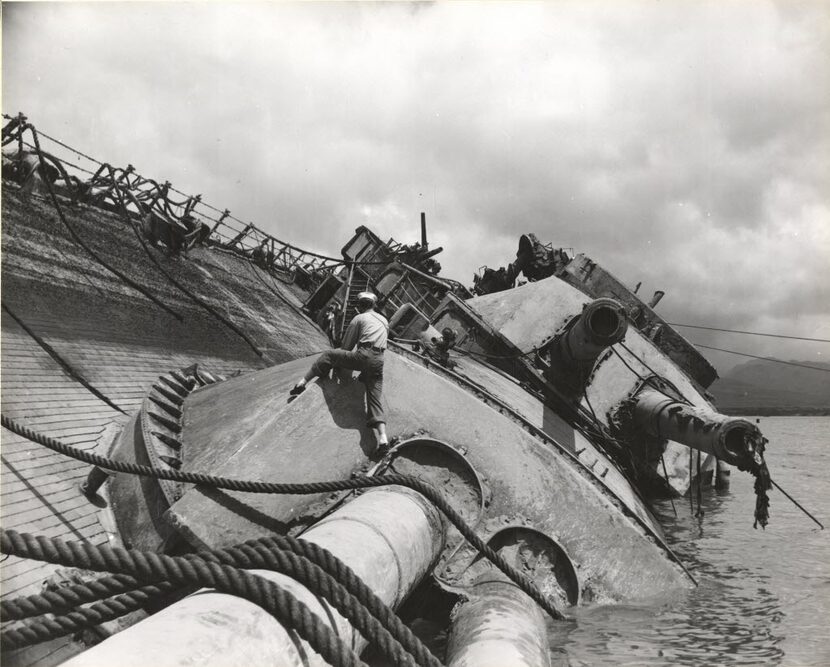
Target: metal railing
[(104, 186)]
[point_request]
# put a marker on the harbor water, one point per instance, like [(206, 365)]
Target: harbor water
[(763, 596)]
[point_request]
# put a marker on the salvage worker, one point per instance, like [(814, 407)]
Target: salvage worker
[(367, 334), (330, 322), (440, 348)]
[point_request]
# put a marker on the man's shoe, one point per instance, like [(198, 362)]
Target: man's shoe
[(380, 451), (297, 389)]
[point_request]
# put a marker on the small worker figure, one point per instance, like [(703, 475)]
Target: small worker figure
[(361, 350), (447, 340), (440, 349), (331, 324)]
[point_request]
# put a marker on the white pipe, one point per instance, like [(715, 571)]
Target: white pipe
[(498, 626), (390, 537)]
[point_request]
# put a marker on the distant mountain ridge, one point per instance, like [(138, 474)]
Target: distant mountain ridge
[(765, 387)]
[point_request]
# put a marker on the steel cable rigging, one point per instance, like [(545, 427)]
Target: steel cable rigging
[(770, 359), (749, 333)]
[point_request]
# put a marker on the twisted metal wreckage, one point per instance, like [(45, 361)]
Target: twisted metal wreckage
[(179, 225), (541, 412)]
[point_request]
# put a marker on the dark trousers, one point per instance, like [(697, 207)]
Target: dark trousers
[(370, 365)]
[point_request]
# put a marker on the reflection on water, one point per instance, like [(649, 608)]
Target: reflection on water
[(763, 596)]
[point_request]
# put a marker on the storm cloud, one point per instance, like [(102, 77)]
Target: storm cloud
[(682, 144)]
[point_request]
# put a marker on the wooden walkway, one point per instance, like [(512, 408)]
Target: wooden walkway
[(120, 343)]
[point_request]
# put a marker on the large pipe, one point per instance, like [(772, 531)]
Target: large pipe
[(498, 626), (390, 537), (424, 243), (731, 439)]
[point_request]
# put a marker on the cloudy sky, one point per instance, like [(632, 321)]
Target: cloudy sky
[(685, 144)]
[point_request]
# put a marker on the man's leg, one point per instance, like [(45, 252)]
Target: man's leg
[(381, 439), (374, 409), (324, 363)]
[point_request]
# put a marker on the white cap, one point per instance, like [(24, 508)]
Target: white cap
[(367, 296)]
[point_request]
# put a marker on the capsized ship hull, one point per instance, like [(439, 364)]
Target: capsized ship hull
[(321, 436), (101, 367)]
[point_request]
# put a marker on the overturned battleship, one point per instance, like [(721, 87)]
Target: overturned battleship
[(167, 501)]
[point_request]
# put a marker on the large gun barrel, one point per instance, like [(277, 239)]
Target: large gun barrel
[(731, 439), (601, 324), (573, 352)]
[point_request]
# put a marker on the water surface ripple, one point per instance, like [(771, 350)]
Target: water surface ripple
[(764, 595)]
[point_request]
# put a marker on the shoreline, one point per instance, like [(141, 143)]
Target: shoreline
[(776, 411)]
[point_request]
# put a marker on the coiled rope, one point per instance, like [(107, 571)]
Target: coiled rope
[(44, 628), (429, 492), (258, 555), (68, 597), (71, 596), (150, 566)]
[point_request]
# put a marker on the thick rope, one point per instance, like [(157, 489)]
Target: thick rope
[(523, 582), (668, 485), (306, 554), (253, 269), (197, 300), (248, 556), (44, 628), (329, 563), (74, 234), (320, 583), (699, 513), (578, 411), (71, 596), (149, 566)]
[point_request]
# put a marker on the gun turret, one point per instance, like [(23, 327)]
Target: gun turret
[(731, 439)]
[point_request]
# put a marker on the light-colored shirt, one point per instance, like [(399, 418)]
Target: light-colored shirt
[(369, 328)]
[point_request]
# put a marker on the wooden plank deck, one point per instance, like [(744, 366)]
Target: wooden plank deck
[(120, 342)]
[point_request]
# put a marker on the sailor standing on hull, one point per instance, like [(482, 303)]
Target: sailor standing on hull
[(362, 350)]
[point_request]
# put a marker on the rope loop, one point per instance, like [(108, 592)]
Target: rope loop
[(429, 492), (149, 567), (308, 563)]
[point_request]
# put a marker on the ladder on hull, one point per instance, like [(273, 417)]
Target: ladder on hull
[(358, 282)]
